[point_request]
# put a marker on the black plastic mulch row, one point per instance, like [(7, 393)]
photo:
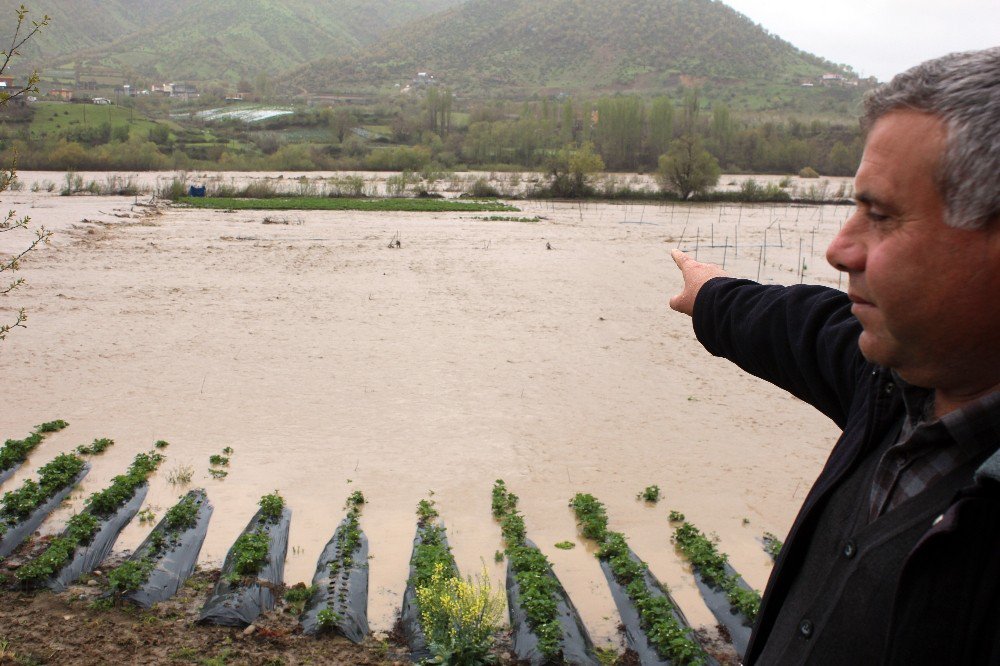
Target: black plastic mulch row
[(237, 604), (16, 534), (344, 593), (176, 563)]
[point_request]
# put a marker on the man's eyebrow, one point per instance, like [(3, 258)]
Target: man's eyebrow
[(869, 199)]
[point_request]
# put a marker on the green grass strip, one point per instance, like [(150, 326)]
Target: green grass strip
[(538, 589), (656, 614), (711, 564), (338, 203)]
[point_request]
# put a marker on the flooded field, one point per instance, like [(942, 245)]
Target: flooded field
[(330, 362)]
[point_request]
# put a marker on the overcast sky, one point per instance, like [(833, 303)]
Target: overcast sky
[(878, 38)]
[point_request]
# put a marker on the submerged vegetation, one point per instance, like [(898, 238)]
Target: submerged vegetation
[(330, 203), (17, 505), (82, 527), (249, 552), (702, 553), (657, 615), (132, 574), (532, 571), (15, 451)]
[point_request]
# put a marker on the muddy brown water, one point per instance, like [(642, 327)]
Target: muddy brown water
[(331, 363)]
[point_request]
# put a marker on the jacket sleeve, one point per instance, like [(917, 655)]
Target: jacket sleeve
[(803, 339)]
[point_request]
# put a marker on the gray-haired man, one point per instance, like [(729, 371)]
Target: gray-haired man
[(895, 554)]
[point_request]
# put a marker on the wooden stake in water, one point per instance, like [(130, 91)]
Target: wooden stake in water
[(760, 259), (800, 260), (725, 251)]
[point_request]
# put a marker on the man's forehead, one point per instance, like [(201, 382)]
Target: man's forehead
[(902, 151)]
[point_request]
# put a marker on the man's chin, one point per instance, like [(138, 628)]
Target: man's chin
[(873, 349)]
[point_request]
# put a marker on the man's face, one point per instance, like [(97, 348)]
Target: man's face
[(926, 294)]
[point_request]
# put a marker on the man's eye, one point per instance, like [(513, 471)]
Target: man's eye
[(875, 217)]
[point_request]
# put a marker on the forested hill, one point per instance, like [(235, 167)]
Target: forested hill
[(209, 40), (574, 45)]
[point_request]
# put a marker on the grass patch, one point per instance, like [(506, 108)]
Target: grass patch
[(656, 614), (336, 203), (506, 218), (701, 552)]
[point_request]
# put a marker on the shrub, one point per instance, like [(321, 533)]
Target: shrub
[(482, 189), (459, 617)]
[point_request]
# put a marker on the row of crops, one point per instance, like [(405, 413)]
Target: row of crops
[(444, 617)]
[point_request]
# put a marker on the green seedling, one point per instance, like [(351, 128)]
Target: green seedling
[(161, 444), (98, 446), (651, 494), (565, 545), (216, 459), (271, 506), (218, 473)]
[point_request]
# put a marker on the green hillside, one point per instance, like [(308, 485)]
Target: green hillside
[(210, 40), (573, 46)]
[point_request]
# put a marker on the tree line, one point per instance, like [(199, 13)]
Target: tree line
[(628, 133)]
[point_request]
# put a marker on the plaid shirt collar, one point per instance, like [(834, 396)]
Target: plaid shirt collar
[(927, 449)]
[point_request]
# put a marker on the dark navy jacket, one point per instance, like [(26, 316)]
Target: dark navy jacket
[(803, 339)]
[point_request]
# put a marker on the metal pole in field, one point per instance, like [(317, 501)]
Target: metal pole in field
[(760, 259), (764, 252), (725, 251)]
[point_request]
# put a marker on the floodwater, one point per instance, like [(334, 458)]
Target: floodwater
[(332, 363)]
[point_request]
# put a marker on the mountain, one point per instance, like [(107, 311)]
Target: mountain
[(573, 46), (211, 40)]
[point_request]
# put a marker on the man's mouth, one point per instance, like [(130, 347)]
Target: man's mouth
[(858, 300)]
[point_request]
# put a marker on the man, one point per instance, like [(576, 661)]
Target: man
[(895, 554)]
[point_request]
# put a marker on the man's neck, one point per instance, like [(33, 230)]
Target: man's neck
[(948, 401)]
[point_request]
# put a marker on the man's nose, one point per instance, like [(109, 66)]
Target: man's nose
[(847, 251)]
